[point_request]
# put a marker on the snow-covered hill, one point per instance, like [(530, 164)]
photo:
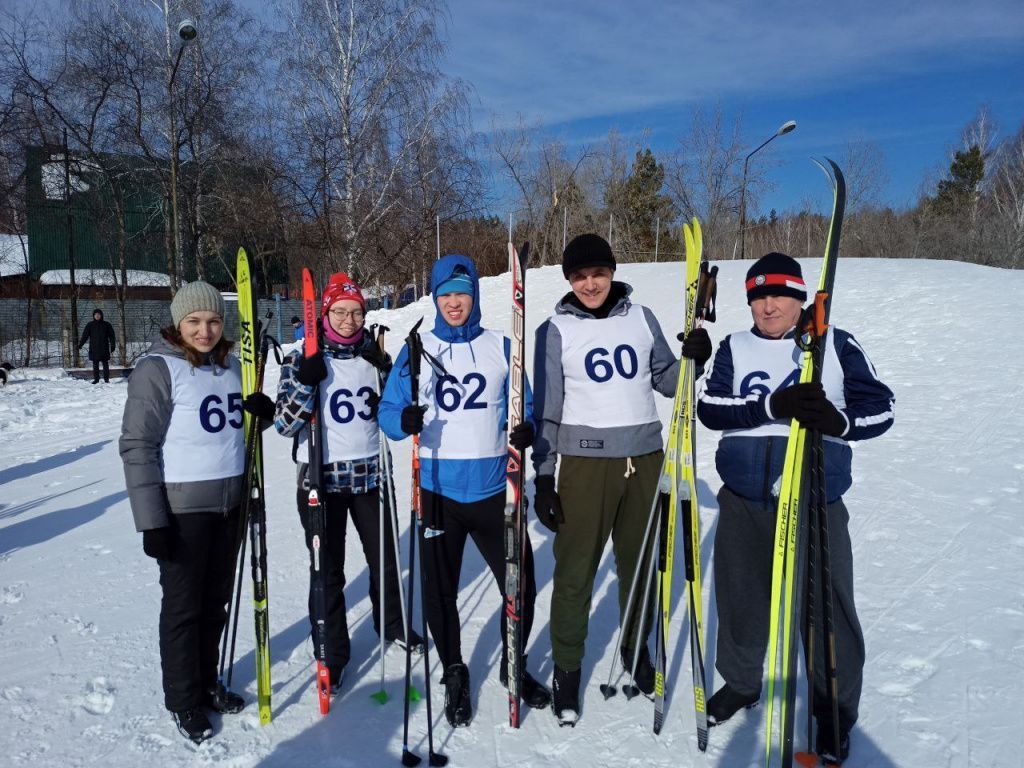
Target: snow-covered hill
[(937, 522)]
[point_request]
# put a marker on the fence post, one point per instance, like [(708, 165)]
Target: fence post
[(65, 347)]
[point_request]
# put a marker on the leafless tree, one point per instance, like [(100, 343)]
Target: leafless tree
[(705, 177), (365, 100)]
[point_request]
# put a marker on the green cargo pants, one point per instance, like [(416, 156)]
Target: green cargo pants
[(600, 496)]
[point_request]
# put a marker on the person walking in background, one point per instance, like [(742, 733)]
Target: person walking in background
[(299, 328), (752, 394), (102, 342)]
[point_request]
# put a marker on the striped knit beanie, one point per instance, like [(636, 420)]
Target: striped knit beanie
[(776, 274)]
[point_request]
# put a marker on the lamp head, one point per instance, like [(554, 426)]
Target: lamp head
[(187, 31), (786, 127)]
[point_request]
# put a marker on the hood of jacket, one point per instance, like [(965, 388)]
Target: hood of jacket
[(570, 305), (161, 346), (443, 269)]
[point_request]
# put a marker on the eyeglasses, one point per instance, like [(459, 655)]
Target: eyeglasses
[(344, 314)]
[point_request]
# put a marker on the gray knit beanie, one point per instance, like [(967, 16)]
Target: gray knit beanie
[(195, 297)]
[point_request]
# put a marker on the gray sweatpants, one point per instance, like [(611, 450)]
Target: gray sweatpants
[(743, 581)]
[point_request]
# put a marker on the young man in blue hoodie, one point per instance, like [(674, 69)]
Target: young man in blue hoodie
[(462, 420)]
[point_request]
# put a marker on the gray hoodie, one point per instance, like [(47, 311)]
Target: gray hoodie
[(147, 414), (549, 394)]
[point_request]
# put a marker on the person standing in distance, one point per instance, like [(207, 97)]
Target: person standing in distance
[(462, 420), (752, 394), (598, 362), (102, 342)]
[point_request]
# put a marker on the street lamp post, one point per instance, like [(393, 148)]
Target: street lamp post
[(187, 32), (785, 128)]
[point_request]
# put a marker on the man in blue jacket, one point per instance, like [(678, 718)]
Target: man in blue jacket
[(752, 394), (462, 420)]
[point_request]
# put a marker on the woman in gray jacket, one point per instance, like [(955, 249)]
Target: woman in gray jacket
[(183, 451)]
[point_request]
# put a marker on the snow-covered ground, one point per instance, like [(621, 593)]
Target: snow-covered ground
[(937, 523)]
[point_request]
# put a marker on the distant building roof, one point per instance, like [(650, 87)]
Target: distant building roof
[(136, 277)]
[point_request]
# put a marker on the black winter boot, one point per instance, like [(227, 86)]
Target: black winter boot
[(566, 696), (222, 701), (193, 724), (727, 702), (535, 694), (457, 706), (644, 677), (828, 751), (416, 644)]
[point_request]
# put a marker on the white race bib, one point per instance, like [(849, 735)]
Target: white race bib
[(350, 431), (462, 419), (606, 367), (204, 439)]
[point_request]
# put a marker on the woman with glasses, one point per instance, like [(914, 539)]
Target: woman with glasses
[(345, 372)]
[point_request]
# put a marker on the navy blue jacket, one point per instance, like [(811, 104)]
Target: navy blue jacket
[(751, 465)]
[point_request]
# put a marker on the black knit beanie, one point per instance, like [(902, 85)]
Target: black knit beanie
[(776, 274), (587, 250)]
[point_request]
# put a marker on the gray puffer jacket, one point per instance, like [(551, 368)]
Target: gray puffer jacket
[(147, 414)]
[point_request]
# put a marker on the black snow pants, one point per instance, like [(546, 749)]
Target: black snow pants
[(196, 583), (364, 509), (484, 522)]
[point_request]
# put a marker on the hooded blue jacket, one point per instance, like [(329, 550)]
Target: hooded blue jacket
[(463, 480)]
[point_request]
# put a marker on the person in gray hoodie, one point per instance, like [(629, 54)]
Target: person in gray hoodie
[(598, 362), (182, 446)]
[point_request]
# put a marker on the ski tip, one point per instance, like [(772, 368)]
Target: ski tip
[(409, 759), (806, 759), (381, 697), (607, 691), (438, 760)]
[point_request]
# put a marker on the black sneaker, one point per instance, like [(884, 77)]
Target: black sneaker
[(193, 724), (727, 702), (644, 676), (824, 744), (566, 696), (535, 694), (416, 645), (222, 701), (458, 709)]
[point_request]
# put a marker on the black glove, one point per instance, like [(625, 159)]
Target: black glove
[(158, 543), (373, 402), (696, 345), (259, 405), (311, 370), (376, 357), (522, 435), (547, 503), (412, 419), (808, 404)]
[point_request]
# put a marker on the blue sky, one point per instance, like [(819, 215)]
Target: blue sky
[(905, 75)]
